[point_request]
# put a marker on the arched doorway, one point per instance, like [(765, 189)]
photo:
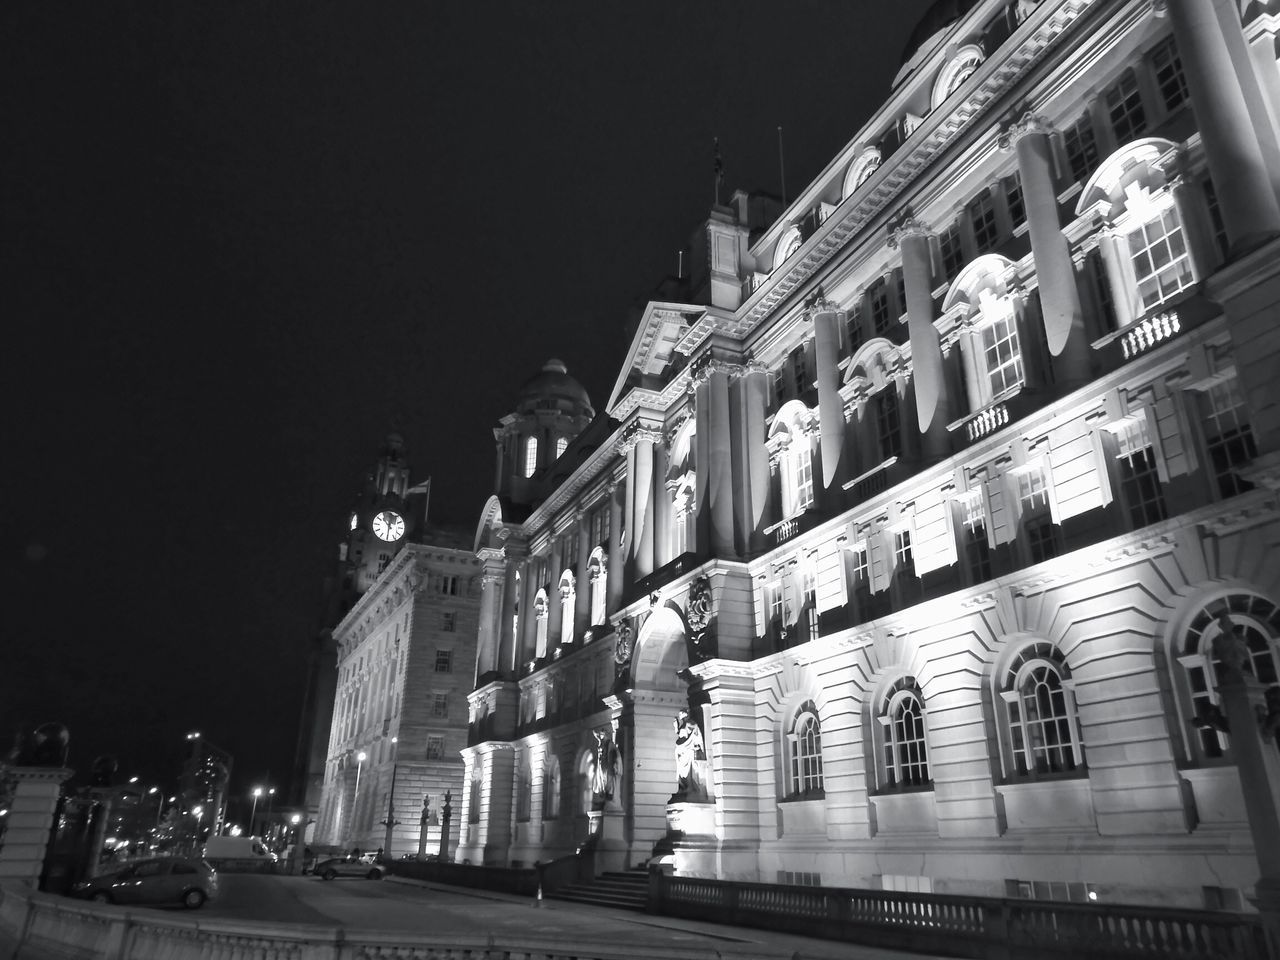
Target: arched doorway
[(658, 692)]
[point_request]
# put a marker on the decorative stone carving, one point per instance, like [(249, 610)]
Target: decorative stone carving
[(622, 643)]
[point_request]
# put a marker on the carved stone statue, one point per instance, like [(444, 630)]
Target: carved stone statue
[(702, 642), (604, 766), (622, 644), (1229, 648), (691, 758)]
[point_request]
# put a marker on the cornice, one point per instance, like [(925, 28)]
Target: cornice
[(991, 81)]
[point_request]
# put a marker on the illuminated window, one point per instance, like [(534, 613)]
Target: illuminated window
[(904, 755), (803, 494), (1044, 736), (1161, 262), (530, 456), (1001, 354), (809, 587), (1140, 486), (804, 755), (977, 549), (1255, 621), (561, 443)]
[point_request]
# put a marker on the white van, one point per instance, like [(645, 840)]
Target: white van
[(237, 848)]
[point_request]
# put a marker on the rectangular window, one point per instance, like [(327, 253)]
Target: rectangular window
[(1161, 263), (888, 423), (1124, 108), (900, 286), (384, 559), (448, 621), (597, 527), (1017, 202), (859, 586), (435, 748), (779, 389), (799, 878), (951, 251), (855, 330), (1001, 354), (982, 214), (1139, 480), (1215, 218), (775, 602), (530, 456), (1228, 435), (800, 370), (1081, 149), (904, 560), (881, 317), (1042, 538), (1170, 80), (804, 479), (440, 705), (444, 661), (977, 550), (449, 586), (1033, 492)]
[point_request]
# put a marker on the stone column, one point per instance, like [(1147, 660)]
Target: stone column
[(553, 597), (715, 453), (582, 599), (933, 407), (1123, 293), (1064, 329), (528, 615), (638, 441), (730, 722), (1196, 233), (1236, 162), (615, 573), (753, 396), (827, 320), (35, 801), (506, 627), (489, 634), (661, 507), (495, 802)]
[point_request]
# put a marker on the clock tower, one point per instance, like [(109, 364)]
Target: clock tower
[(389, 513)]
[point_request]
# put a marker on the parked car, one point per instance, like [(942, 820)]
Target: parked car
[(173, 880), (348, 867)]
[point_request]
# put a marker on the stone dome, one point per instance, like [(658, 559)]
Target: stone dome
[(552, 387), (937, 18)]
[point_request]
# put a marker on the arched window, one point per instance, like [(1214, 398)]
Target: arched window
[(788, 244), (860, 170), (540, 611), (790, 448), (530, 456), (1044, 735), (875, 390), (584, 793), (983, 295), (561, 444), (804, 755), (957, 70), (1144, 250), (551, 788), (904, 749), (598, 572), (524, 790), (568, 599), (1257, 622)]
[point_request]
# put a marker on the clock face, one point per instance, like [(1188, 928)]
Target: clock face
[(388, 525)]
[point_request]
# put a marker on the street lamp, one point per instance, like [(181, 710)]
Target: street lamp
[(257, 792), (355, 795)]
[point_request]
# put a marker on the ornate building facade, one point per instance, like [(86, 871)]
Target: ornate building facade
[(403, 651), (900, 553)]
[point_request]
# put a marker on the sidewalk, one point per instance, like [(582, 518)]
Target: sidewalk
[(582, 922)]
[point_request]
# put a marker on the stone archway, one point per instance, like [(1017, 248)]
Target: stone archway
[(658, 692)]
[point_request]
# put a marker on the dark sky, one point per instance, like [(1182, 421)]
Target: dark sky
[(243, 241)]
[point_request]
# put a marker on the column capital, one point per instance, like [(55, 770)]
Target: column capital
[(638, 431), (907, 228), (1024, 126), (819, 303), (707, 363)]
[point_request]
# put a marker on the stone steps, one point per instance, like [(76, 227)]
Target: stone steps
[(626, 890)]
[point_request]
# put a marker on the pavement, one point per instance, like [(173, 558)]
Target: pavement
[(438, 911)]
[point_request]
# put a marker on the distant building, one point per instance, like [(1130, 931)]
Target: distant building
[(403, 654), (897, 555)]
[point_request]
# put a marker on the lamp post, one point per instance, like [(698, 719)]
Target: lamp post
[(271, 796), (355, 794), (391, 822), (253, 811)]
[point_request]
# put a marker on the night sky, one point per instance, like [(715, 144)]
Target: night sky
[(242, 242)]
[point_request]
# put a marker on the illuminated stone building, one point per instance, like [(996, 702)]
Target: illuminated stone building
[(924, 495), (403, 652)]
